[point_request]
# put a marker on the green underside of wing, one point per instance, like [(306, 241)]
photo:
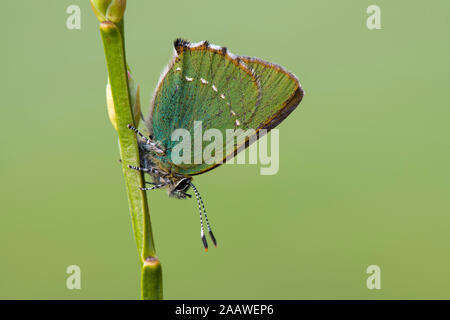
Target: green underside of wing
[(276, 88), (203, 85)]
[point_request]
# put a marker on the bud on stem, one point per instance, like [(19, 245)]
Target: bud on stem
[(135, 101)]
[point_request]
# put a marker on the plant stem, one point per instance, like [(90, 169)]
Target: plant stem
[(151, 287), (113, 42)]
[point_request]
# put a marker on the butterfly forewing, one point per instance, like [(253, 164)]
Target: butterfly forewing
[(202, 84)]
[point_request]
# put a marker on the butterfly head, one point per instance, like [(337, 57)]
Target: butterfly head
[(178, 186)]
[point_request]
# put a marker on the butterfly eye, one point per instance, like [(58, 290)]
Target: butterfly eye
[(182, 185)]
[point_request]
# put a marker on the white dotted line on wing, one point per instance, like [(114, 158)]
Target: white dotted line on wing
[(213, 87), (168, 67), (231, 56)]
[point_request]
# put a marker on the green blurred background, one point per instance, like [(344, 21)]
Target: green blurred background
[(364, 161)]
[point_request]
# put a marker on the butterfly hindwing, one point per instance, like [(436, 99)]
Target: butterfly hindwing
[(280, 93)]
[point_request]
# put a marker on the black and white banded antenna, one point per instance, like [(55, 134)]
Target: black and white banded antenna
[(201, 206)]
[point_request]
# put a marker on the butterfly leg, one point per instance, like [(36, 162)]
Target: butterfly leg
[(150, 170), (139, 168), (157, 186), (149, 144), (129, 126)]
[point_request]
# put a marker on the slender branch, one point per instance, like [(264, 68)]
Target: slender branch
[(113, 42)]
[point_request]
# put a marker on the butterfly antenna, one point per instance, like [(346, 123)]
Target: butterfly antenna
[(200, 201), (202, 230)]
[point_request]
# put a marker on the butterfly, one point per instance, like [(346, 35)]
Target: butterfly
[(207, 84)]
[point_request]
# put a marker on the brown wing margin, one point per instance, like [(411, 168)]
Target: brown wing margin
[(181, 45), (289, 105)]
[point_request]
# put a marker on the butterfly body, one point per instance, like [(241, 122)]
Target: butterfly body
[(206, 84), (177, 184)]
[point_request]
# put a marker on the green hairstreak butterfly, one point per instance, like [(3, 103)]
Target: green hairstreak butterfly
[(204, 82)]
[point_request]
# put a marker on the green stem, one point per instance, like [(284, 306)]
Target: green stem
[(151, 286), (113, 42)]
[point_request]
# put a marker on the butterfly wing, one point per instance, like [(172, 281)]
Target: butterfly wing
[(206, 83), (281, 93)]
